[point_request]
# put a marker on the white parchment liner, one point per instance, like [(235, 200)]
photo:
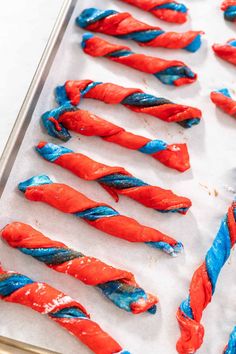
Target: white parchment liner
[(212, 148)]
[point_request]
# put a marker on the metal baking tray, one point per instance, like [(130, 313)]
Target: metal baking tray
[(207, 184), (25, 114)]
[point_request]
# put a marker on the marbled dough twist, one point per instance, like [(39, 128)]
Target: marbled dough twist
[(169, 72), (203, 284), (115, 179), (58, 121), (68, 313), (119, 286), (132, 98), (124, 26), (99, 215)]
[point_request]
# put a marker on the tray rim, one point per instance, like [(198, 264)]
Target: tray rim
[(22, 122), (24, 116)]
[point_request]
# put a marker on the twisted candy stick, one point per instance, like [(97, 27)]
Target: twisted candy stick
[(68, 313), (226, 51), (231, 346), (86, 123), (124, 26), (117, 285), (224, 101), (166, 10), (229, 8), (203, 284), (132, 98), (99, 215), (116, 180), (169, 72)]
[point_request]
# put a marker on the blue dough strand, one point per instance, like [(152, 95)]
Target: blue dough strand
[(225, 92), (120, 181), (99, 212), (52, 255), (51, 152), (69, 312), (230, 13), (52, 130), (218, 253), (11, 282), (194, 45), (33, 182), (172, 6), (232, 43), (153, 146), (231, 347), (92, 15)]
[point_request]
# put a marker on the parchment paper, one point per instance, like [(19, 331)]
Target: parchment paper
[(210, 185)]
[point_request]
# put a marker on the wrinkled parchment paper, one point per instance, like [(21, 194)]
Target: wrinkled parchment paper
[(210, 185)]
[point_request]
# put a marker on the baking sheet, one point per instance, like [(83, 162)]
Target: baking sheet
[(210, 184)]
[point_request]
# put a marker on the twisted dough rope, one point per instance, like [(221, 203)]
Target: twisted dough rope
[(229, 8), (59, 120), (166, 10), (122, 25), (132, 98), (68, 313), (226, 51), (231, 346), (116, 180), (169, 72), (224, 101), (99, 215), (203, 284), (119, 286)]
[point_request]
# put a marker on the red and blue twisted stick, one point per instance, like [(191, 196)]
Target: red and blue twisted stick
[(203, 284), (68, 313), (119, 286), (99, 215), (229, 8), (124, 26), (132, 98), (58, 121), (226, 51), (116, 180), (169, 72), (231, 346), (222, 99), (166, 10)]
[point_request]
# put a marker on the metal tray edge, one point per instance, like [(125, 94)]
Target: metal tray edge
[(24, 116)]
